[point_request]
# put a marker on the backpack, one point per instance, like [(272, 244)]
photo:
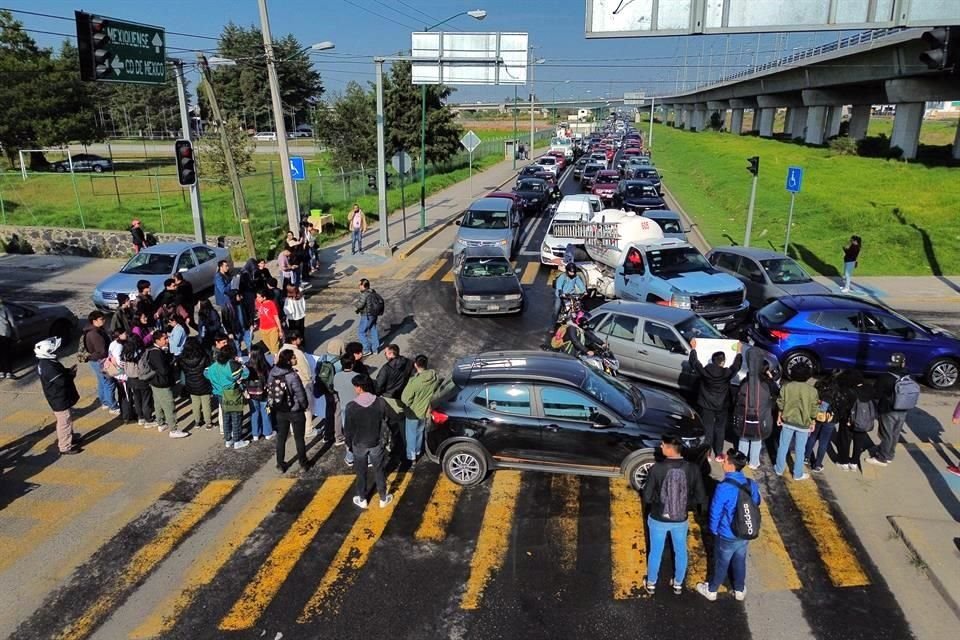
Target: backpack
[(375, 304), (323, 377), (279, 396), (82, 354), (132, 367), (146, 371), (906, 393), (863, 416), (745, 522), (673, 495), (559, 339)]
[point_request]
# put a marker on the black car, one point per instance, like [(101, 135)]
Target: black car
[(650, 174), (83, 162), (578, 167), (637, 195), (550, 412), (589, 174), (486, 283), (530, 170), (535, 193)]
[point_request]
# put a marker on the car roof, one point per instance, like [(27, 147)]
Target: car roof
[(491, 204), (659, 312), (519, 365), (827, 301), (167, 247), (483, 252), (609, 172), (757, 253), (506, 195), (638, 182), (664, 214), (530, 178)]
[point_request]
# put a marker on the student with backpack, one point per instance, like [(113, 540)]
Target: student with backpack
[(255, 390), (370, 306), (713, 397), (160, 372), (673, 487), (193, 362), (836, 401), (798, 403), (734, 522), (141, 398), (226, 376), (855, 427), (896, 394), (287, 400), (753, 412), (325, 404)]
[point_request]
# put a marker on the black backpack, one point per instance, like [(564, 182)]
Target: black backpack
[(279, 395), (375, 304), (746, 520), (673, 495)]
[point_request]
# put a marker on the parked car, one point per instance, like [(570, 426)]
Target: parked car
[(669, 221), (535, 194), (830, 332), (530, 170), (485, 282), (766, 274), (550, 412), (489, 222), (299, 134), (197, 263), (37, 321), (637, 195), (83, 162), (265, 135)]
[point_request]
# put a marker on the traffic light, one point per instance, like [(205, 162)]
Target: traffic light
[(93, 42), (944, 51), (754, 167), (186, 163)]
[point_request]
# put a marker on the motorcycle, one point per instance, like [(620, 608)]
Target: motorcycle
[(602, 360), (570, 306)]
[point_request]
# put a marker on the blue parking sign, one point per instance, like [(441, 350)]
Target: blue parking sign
[(794, 179), (297, 169)]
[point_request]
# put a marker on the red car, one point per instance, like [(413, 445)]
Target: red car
[(605, 184), (610, 154), (561, 159)]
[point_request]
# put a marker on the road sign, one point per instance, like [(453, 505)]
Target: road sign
[(297, 170), (470, 141), (635, 98), (402, 162), (794, 179), (118, 51)]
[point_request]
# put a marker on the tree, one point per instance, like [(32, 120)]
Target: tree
[(348, 126), (129, 109), (402, 111), (211, 164)]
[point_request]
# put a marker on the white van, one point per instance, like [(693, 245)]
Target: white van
[(572, 209)]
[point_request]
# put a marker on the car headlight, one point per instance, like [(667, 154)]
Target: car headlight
[(502, 243), (512, 296), (680, 301), (471, 298), (545, 248), (461, 241)]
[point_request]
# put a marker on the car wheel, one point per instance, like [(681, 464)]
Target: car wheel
[(800, 357), (464, 464), (638, 470), (943, 373), (97, 168), (61, 329), (61, 168)]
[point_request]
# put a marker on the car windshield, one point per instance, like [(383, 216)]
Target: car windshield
[(785, 271), (476, 219), (697, 327), (640, 191), (608, 179), (665, 262), (668, 225), (591, 169), (547, 161), (613, 393), (530, 185), (149, 264), (485, 268), (647, 174)]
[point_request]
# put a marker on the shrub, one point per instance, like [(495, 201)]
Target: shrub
[(716, 121), (843, 146)]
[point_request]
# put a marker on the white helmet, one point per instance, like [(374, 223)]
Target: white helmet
[(47, 349)]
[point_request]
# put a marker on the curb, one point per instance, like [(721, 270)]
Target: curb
[(932, 575)]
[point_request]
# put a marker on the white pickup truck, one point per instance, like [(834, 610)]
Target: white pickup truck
[(573, 209)]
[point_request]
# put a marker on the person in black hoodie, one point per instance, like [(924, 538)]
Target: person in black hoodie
[(753, 411), (60, 391), (836, 400), (848, 431), (393, 376), (161, 378), (891, 420), (363, 423), (713, 399), (291, 417), (194, 359)]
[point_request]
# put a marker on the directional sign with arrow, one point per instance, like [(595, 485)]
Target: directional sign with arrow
[(118, 51)]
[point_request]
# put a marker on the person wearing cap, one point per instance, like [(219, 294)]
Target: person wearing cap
[(139, 237), (568, 284), (60, 390)]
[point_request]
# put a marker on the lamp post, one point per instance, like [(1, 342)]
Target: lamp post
[(476, 14), (533, 64)]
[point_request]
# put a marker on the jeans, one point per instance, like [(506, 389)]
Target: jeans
[(377, 458), (848, 273), (369, 337), (729, 556), (821, 437), (799, 436), (6, 351), (414, 437), (891, 424), (658, 537), (232, 422), (163, 405), (714, 427), (342, 411), (242, 343), (287, 422), (260, 424), (200, 407), (106, 387), (141, 398), (356, 241), (751, 449)]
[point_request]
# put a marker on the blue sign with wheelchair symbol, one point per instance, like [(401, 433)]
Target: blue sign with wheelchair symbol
[(794, 179), (297, 170)]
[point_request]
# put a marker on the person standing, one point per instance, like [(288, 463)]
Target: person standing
[(113, 367), (162, 377), (854, 426), (834, 402), (209, 323), (295, 309), (673, 487), (357, 223), (177, 332), (226, 375), (729, 549), (60, 390), (221, 285), (8, 337), (268, 317), (713, 398), (416, 401), (851, 255), (798, 403), (144, 302), (896, 394), (286, 265), (287, 401), (186, 297), (304, 372), (753, 413), (193, 362), (138, 236), (123, 317), (364, 419), (325, 399), (370, 307), (95, 342), (140, 395), (255, 389), (344, 393)]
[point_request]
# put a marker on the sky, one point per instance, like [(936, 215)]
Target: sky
[(574, 66)]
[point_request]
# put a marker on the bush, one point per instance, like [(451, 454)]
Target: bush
[(843, 146), (716, 121)]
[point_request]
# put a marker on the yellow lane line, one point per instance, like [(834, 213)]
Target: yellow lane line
[(439, 511), (696, 554), (27, 418), (530, 273), (260, 591), (494, 539), (448, 276), (564, 524), (432, 270), (628, 551), (405, 268), (553, 276), (213, 557), (838, 557), (774, 567), (149, 556)]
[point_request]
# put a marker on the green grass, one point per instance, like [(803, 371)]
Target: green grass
[(933, 132), (906, 213)]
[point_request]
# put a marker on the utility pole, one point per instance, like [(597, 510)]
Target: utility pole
[(384, 223), (199, 234), (533, 64), (516, 138), (280, 126), (238, 202), (754, 168), (650, 135)]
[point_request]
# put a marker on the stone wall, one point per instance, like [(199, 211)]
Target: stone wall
[(92, 243)]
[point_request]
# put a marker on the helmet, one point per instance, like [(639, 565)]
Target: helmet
[(898, 360), (581, 319), (570, 268), (46, 349)]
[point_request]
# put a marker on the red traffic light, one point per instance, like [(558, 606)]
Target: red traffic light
[(186, 166)]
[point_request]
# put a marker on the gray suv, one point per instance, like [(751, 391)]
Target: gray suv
[(489, 222), (767, 275)]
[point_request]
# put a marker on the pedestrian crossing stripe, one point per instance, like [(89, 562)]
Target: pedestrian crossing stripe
[(439, 511), (563, 527), (530, 273), (433, 268), (628, 550), (26, 418)]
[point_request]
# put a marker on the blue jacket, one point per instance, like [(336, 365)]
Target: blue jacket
[(724, 504), (565, 285), (221, 285)]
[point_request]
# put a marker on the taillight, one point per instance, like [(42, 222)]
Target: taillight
[(438, 417), (779, 335)]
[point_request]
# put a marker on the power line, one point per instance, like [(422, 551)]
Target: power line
[(379, 15), (397, 11), (68, 19), (423, 13)]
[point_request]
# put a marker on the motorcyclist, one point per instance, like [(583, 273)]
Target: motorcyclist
[(570, 283), (581, 340)]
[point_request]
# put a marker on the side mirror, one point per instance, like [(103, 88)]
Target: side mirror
[(457, 223), (910, 334), (183, 270), (599, 420)]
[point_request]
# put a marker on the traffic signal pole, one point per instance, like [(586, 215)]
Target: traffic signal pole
[(199, 233), (754, 168)]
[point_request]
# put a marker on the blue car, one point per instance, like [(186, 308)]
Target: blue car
[(831, 332)]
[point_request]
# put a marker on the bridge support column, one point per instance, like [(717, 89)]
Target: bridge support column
[(788, 121), (816, 120), (699, 117), (834, 116), (797, 118), (685, 117), (736, 121), (956, 143), (906, 128), (859, 121), (766, 122)]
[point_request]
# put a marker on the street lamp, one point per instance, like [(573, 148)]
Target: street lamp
[(533, 65), (476, 14)]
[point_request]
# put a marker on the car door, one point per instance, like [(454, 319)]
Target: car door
[(837, 340), (619, 331), (206, 267), (187, 265), (664, 352), (569, 435), (29, 330), (507, 426), (750, 273), (887, 335), (630, 276)]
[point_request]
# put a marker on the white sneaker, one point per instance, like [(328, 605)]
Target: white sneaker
[(704, 589), (754, 466), (310, 434), (177, 433), (876, 461), (271, 436), (161, 428), (141, 422), (150, 425), (740, 595), (228, 444), (360, 502), (385, 501), (240, 444), (805, 476)]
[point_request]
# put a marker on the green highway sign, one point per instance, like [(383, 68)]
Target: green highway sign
[(118, 51)]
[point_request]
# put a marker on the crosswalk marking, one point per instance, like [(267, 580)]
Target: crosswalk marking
[(553, 276), (439, 511), (354, 551), (493, 541), (214, 556), (564, 524), (448, 276), (149, 556), (27, 418), (260, 591), (839, 558), (696, 554), (775, 570), (432, 270), (628, 550), (405, 268), (530, 273)]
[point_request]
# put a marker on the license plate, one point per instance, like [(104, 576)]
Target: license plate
[(720, 326), (493, 307)]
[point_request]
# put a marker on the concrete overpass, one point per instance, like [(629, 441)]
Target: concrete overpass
[(815, 85), (504, 107)]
